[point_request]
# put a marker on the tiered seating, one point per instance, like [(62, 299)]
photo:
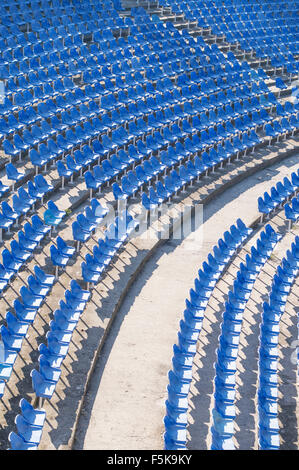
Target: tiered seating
[(279, 194), (116, 234), (85, 224), (58, 339), (181, 374), (23, 250), (224, 394), (12, 335), (268, 351), (292, 211), (29, 426), (267, 29)]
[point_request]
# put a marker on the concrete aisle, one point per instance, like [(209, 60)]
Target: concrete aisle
[(124, 407)]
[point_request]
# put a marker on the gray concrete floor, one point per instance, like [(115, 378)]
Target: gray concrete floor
[(124, 406)]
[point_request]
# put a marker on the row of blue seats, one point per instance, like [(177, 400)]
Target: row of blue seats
[(13, 334), (8, 102), (82, 228), (180, 376), (27, 59), (22, 250), (224, 394), (49, 109), (116, 166), (237, 11), (42, 8), (45, 380), (48, 84), (121, 136), (291, 211), (238, 14), (279, 194), (233, 30), (131, 183), (90, 130), (157, 142), (59, 5), (29, 239), (23, 202), (58, 18), (95, 264), (239, 8), (277, 129), (287, 125), (107, 100), (61, 26), (268, 429), (103, 43), (133, 63), (29, 426), (268, 351), (149, 100)]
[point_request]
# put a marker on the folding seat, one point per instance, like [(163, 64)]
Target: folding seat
[(63, 123), (280, 111), (20, 206), (5, 129), (44, 111), (13, 174), (279, 83), (118, 192), (42, 185), (289, 107), (86, 225), (82, 159), (37, 159), (240, 125), (3, 189), (92, 217), (11, 341), (286, 126), (239, 144), (10, 262), (42, 388), (230, 129), (271, 132)]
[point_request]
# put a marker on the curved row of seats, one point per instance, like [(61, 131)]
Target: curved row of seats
[(180, 376), (95, 264), (279, 194), (38, 286), (224, 392), (16, 329), (268, 350), (292, 211), (82, 229), (267, 29)]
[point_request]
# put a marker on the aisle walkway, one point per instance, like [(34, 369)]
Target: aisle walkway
[(124, 407)]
